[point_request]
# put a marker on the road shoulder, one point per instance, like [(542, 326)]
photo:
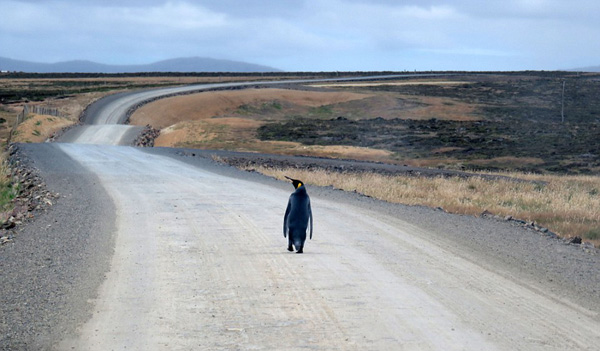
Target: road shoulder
[(56, 262)]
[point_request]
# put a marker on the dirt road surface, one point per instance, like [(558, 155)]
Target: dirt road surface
[(200, 263), (115, 134)]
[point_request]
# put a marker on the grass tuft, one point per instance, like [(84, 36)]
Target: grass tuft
[(8, 189)]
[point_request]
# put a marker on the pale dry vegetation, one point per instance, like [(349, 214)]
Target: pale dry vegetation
[(567, 205), (37, 128), (245, 103), (228, 120), (237, 134)]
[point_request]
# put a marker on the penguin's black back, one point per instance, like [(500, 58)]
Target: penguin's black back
[(299, 209), (298, 215)]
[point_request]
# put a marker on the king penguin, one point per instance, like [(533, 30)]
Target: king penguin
[(298, 216)]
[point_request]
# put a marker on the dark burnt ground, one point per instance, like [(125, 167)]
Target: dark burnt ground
[(521, 117)]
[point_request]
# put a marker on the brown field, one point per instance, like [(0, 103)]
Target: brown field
[(232, 133), (69, 108), (37, 128), (411, 106), (167, 112), (229, 119)]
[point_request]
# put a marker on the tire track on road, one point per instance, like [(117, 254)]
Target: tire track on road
[(208, 252)]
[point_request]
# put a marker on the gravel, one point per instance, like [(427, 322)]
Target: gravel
[(55, 262), (524, 252)]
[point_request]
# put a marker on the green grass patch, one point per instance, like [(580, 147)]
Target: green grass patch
[(592, 234), (321, 111), (8, 189), (262, 109), (8, 192)]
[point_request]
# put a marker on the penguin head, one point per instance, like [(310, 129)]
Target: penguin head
[(297, 183)]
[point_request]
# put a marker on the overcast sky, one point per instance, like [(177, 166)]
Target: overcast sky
[(309, 35)]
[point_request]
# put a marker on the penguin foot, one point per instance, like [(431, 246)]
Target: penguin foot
[(290, 248), (299, 251)]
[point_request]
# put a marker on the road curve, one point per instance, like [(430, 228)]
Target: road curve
[(113, 109), (200, 263)]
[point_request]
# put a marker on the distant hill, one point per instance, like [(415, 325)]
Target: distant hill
[(587, 69), (188, 64)]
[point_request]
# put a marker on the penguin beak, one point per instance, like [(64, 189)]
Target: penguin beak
[(296, 182)]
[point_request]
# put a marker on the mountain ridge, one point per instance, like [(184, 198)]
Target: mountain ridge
[(182, 64), (587, 69)]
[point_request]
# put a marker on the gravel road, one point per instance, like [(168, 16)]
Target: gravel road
[(159, 249), (116, 134), (200, 262), (55, 263)]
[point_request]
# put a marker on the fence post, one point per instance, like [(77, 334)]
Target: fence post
[(19, 120)]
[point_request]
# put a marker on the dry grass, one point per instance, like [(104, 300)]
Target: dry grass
[(567, 205), (37, 128), (229, 119), (9, 116), (190, 121), (438, 160), (441, 108), (167, 112), (239, 134)]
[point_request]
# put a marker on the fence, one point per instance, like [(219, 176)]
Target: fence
[(27, 109)]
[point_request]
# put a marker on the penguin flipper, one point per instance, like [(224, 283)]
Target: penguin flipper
[(285, 217), (311, 219)]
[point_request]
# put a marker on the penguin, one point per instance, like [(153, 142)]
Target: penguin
[(298, 216)]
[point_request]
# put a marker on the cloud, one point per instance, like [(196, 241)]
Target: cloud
[(308, 34), (170, 16)]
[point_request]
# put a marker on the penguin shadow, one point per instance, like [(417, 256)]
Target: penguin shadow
[(281, 250), (284, 251)]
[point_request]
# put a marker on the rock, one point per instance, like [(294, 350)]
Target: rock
[(508, 218), (575, 240), (9, 223), (486, 213), (146, 138), (32, 195)]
